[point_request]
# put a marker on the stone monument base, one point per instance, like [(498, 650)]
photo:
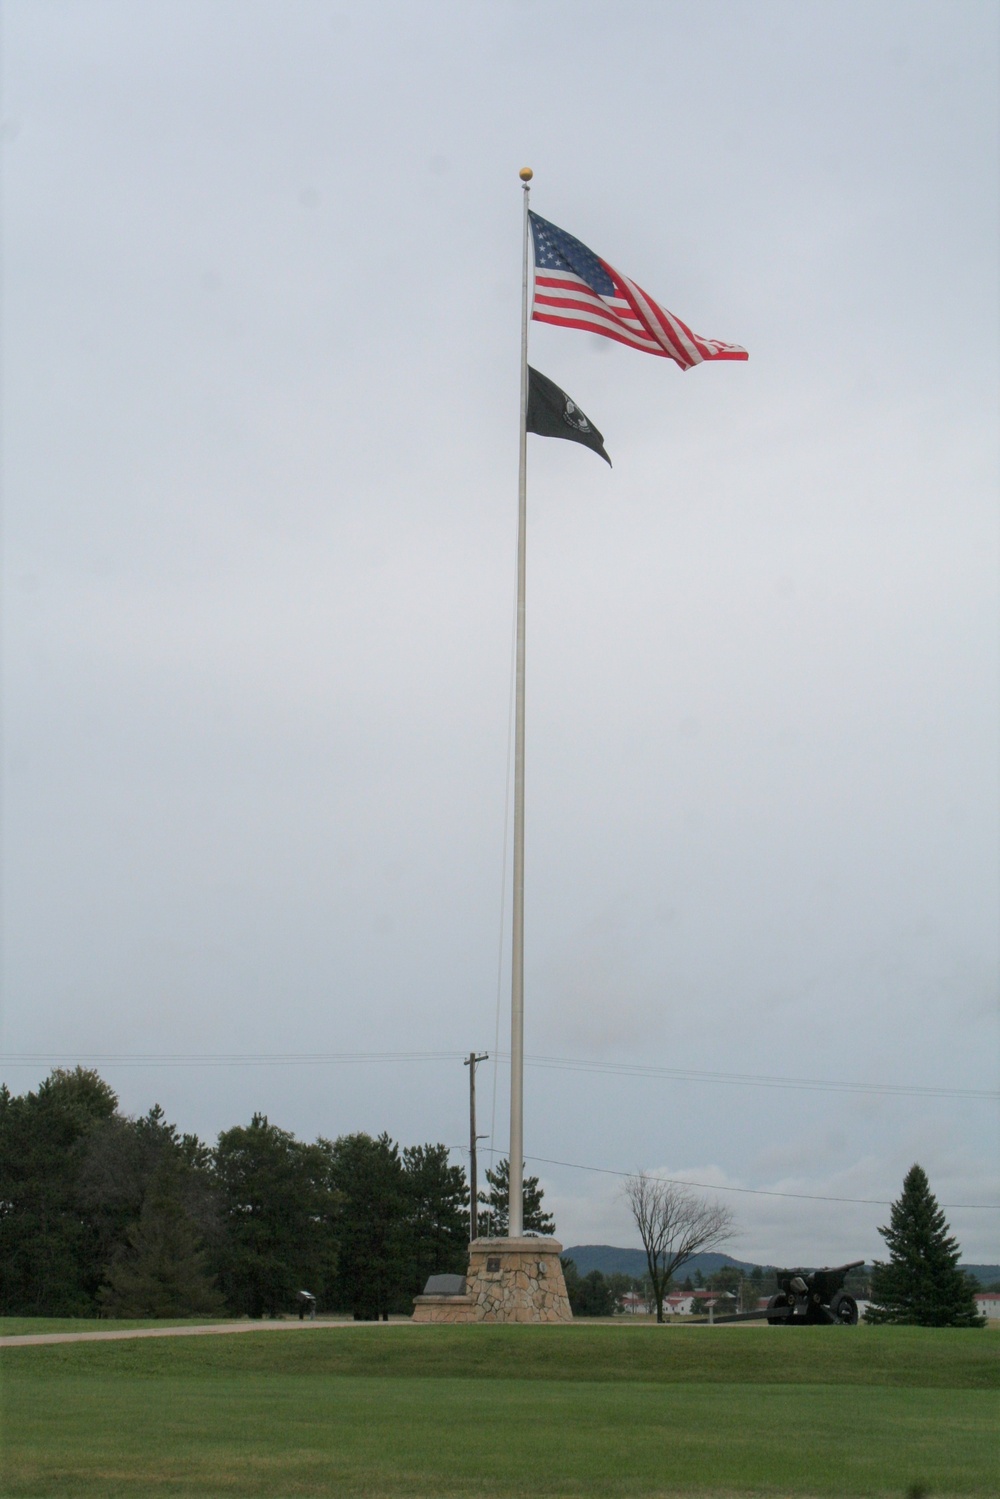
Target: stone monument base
[(509, 1280)]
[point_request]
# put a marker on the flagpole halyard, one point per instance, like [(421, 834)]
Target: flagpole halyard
[(515, 1212)]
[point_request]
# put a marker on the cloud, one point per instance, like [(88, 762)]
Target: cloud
[(260, 407)]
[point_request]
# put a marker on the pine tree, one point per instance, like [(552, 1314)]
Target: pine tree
[(164, 1272), (437, 1215), (51, 1255), (497, 1203), (921, 1284), (371, 1223), (277, 1217)]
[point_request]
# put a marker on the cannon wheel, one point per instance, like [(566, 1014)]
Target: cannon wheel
[(844, 1309), (781, 1299)]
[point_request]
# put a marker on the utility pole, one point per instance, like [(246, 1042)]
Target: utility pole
[(470, 1062)]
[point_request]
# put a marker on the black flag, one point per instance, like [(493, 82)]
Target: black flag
[(551, 413)]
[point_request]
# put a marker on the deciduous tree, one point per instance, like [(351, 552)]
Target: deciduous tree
[(674, 1223)]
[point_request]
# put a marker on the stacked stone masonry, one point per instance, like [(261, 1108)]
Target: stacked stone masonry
[(509, 1280)]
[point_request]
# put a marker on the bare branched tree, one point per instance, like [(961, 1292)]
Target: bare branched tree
[(674, 1223)]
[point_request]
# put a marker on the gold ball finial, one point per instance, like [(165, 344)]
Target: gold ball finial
[(526, 174)]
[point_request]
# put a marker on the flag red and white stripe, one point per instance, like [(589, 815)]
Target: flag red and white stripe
[(574, 288)]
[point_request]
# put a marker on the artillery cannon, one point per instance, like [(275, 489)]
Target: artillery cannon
[(814, 1296), (807, 1296)]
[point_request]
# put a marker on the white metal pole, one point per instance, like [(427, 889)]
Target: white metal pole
[(515, 1215)]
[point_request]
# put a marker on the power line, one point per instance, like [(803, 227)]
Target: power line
[(878, 1202), (559, 1064), (759, 1080), (223, 1059), (252, 1059)]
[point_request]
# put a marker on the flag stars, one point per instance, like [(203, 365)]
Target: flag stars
[(576, 289)]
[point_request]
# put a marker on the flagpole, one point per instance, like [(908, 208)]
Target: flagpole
[(515, 1213)]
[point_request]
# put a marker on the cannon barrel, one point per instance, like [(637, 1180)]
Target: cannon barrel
[(806, 1296), (824, 1269)]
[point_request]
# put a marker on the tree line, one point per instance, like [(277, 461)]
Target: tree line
[(101, 1214)]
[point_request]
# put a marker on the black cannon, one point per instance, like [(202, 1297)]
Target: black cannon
[(813, 1296), (807, 1297)]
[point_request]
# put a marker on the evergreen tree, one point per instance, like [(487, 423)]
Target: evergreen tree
[(51, 1257), (620, 1285), (589, 1295), (119, 1163), (750, 1291), (727, 1279), (497, 1202), (921, 1284), (437, 1215), (372, 1235), (277, 1217), (163, 1272)]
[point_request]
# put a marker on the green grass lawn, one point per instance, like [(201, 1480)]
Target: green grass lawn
[(16, 1326), (508, 1412)]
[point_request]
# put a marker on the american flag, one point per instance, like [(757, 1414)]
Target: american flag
[(574, 288)]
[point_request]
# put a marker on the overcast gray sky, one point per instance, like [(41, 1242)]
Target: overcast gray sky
[(261, 322)]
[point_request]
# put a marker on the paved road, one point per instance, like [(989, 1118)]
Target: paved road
[(207, 1329)]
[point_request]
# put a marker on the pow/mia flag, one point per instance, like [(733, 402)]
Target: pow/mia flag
[(551, 413)]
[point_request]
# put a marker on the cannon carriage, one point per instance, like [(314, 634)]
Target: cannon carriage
[(814, 1296), (807, 1297)]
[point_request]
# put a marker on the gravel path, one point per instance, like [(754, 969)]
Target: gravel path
[(209, 1329)]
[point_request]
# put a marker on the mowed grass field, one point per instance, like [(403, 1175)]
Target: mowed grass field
[(506, 1412), (16, 1326)]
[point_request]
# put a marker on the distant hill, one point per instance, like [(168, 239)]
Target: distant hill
[(985, 1274), (612, 1261)]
